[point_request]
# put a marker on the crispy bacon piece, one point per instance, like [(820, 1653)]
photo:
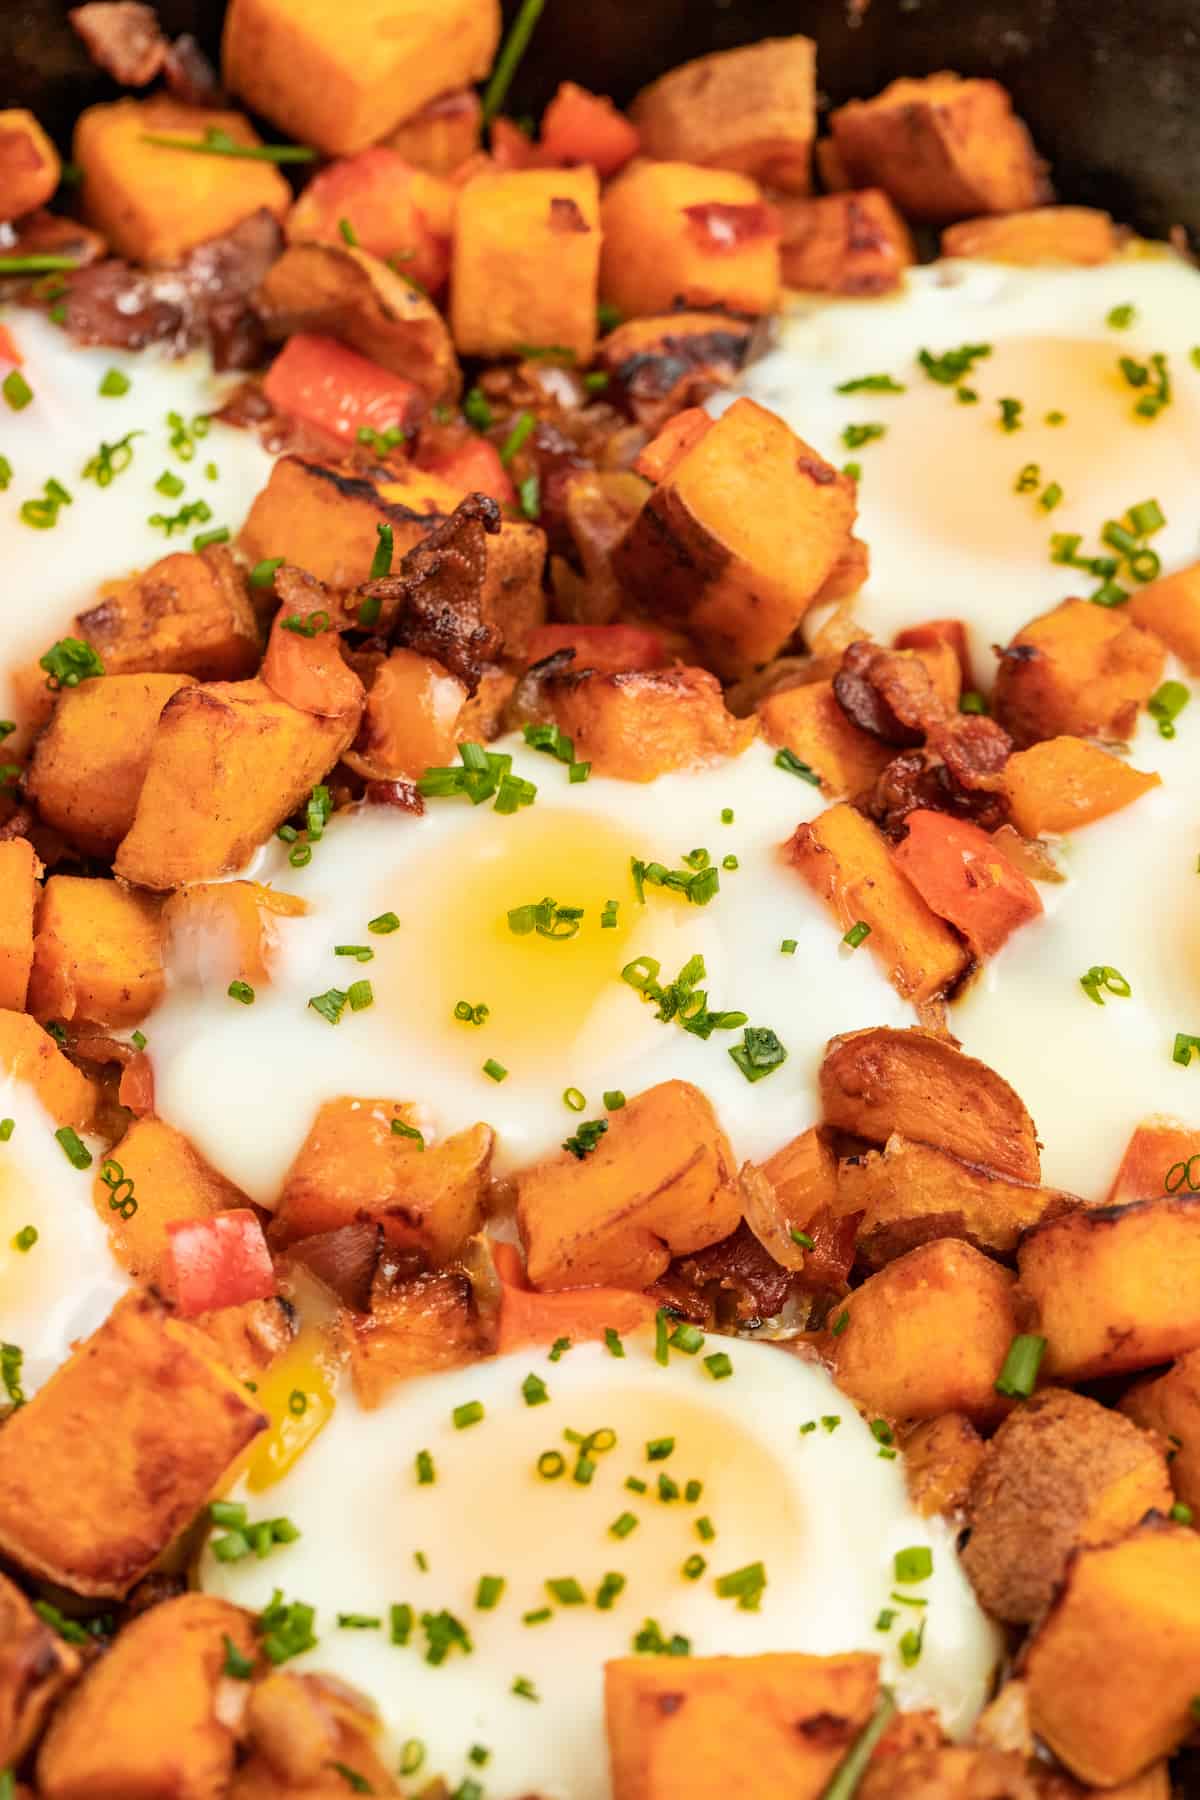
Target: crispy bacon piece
[(733, 1280), (974, 749), (123, 38), (887, 694), (437, 594)]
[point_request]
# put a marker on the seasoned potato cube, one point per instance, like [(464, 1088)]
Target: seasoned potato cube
[(642, 723), (845, 860), (411, 720), (187, 614), (415, 1328), (1064, 782), (526, 262), (927, 1335), (943, 148), (89, 764), (442, 135), (97, 954), (36, 1664), (1077, 671), (744, 528), (29, 165), (28, 1053), (393, 210), (229, 762), (854, 243), (1111, 1673), (152, 203), (941, 1456), (216, 931), (1170, 608), (19, 871), (677, 234), (171, 1180), (79, 1507), (353, 1167), (1048, 234), (659, 1183), (1060, 1472), (342, 79), (1116, 1287), (751, 109), (662, 365), (808, 720), (144, 1721), (1170, 1405), (909, 1193), (1162, 1157)]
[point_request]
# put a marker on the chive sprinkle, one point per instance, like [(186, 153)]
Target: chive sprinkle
[(494, 1071), (534, 1390), (488, 1592), (913, 1564), (73, 1147), (612, 1341), (16, 390), (1018, 1377), (470, 1413), (216, 142), (719, 1366), (511, 52)]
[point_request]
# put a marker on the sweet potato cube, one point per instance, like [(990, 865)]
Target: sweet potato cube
[(1063, 783), (342, 80), (416, 1328), (29, 165), (229, 762), (92, 1508), (19, 871), (642, 723), (581, 1314), (144, 1722), (660, 365), (677, 234), (1077, 671), (808, 720), (89, 764), (690, 1728), (28, 1053), (221, 930), (1060, 1472), (803, 1175), (442, 135), (1162, 1157), (660, 1182), (392, 209), (154, 203), (1048, 234), (1170, 1405), (1111, 1673), (171, 1180), (97, 953), (738, 538), (36, 1664), (942, 147), (881, 1080), (352, 1167), (411, 719), (1170, 608), (187, 614), (844, 858), (752, 109), (1115, 1288), (941, 1456), (854, 244), (963, 878), (526, 262), (927, 1335)]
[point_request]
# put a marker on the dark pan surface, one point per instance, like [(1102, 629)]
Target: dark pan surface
[(1109, 88)]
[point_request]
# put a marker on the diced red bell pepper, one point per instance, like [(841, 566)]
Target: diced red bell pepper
[(962, 877), (317, 379), (219, 1261), (613, 649), (391, 208), (474, 467), (582, 127), (581, 1314)]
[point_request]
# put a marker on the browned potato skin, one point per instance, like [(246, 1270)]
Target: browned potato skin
[(1060, 1472), (909, 1193), (751, 109), (942, 147), (947, 1772), (855, 244), (91, 1506), (35, 1667), (941, 1456), (663, 364), (640, 724), (695, 1725), (187, 614), (171, 1181), (1111, 1672), (1048, 234), (927, 1335), (300, 1727), (142, 1723), (416, 1328), (90, 762), (19, 872), (880, 1081), (1076, 671), (1114, 1288), (97, 953), (1170, 1405)]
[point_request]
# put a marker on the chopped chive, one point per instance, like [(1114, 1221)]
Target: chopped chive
[(1120, 318), (7, 1127), (855, 436), (635, 1484), (1018, 1377), (788, 947), (551, 1464), (623, 1525), (470, 1413), (558, 1349), (612, 1341), (794, 765), (694, 1567), (744, 1585), (426, 1475), (383, 924), (524, 1688), (520, 434), (400, 1624), (567, 1591), (381, 562), (511, 52), (476, 410), (840, 1323), (479, 1756), (693, 1491), (1181, 1513), (534, 1391), (488, 1592), (856, 934), (613, 1099), (73, 1147), (573, 1098), (667, 1489), (493, 1070), (913, 1564), (662, 1354), (719, 1365), (331, 1004), (360, 995), (541, 1615), (687, 1337), (26, 1238), (831, 1421), (612, 1585), (16, 390), (216, 142), (658, 1449), (358, 1622)]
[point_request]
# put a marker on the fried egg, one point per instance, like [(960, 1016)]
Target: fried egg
[(788, 1476)]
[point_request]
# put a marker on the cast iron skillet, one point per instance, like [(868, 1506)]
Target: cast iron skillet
[(1108, 87)]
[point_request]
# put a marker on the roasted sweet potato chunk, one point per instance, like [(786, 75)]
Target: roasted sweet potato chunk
[(941, 1456), (659, 1183), (942, 147), (393, 209), (171, 1180), (845, 860), (309, 1734), (854, 244), (28, 1053), (97, 954), (19, 871), (29, 164), (188, 614), (1060, 1472), (1111, 1673), (880, 1081), (752, 109), (808, 720), (739, 536), (1063, 783), (89, 764), (659, 366), (164, 1422), (803, 1176), (1077, 671), (677, 234), (527, 262), (690, 1728), (1115, 1288), (229, 762), (927, 1335), (415, 1328), (1162, 1157), (144, 1722), (962, 877), (639, 724), (1170, 608), (580, 1314), (35, 1666), (1170, 1405), (1048, 234), (442, 135)]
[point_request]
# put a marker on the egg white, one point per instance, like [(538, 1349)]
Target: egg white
[(822, 1510)]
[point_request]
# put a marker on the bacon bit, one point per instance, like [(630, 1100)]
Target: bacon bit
[(122, 38), (400, 793), (566, 216), (190, 76), (722, 228), (137, 1086)]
